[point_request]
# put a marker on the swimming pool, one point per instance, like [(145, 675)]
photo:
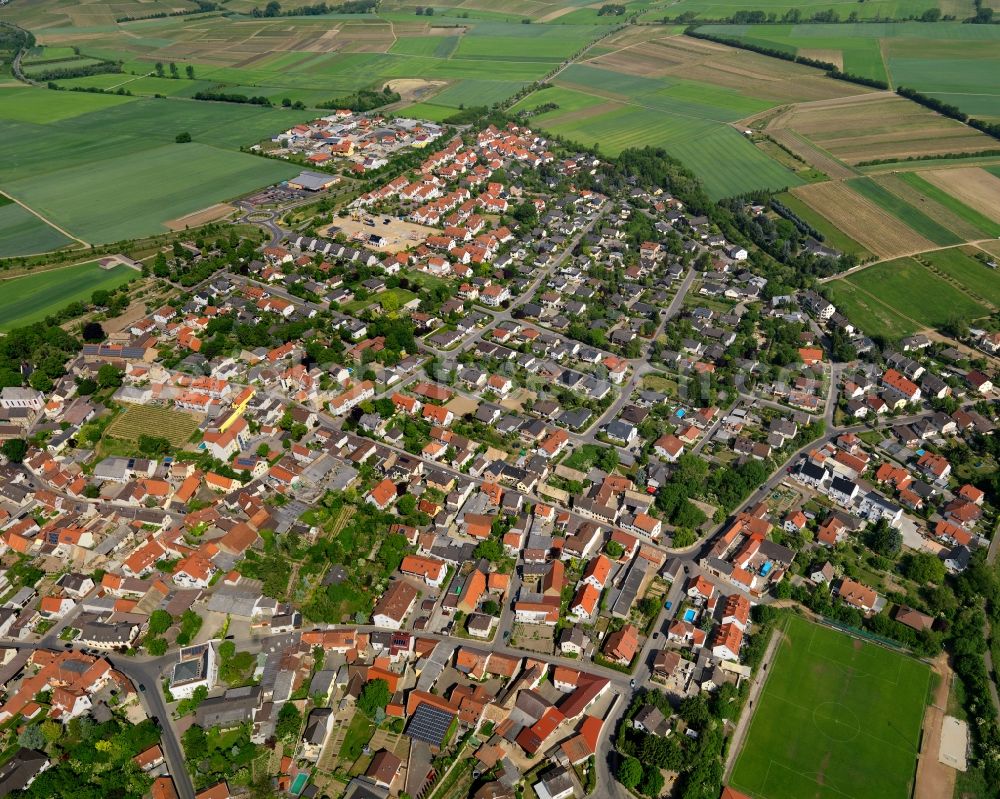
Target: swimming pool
[(299, 784), (690, 614)]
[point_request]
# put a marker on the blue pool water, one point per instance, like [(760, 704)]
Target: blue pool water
[(766, 568), (299, 784), (690, 614)]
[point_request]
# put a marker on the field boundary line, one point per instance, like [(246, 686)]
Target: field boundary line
[(48, 222)]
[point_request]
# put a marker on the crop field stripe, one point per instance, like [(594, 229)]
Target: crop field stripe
[(909, 215)]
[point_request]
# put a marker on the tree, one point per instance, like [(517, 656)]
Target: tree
[(156, 646), (652, 780), (614, 549), (491, 607), (14, 449), (630, 773), (374, 696), (109, 376), (32, 737), (92, 331), (173, 70), (159, 69), (85, 386), (491, 549), (227, 650), (882, 539), (407, 504), (182, 138), (159, 622), (189, 71), (289, 721), (923, 568)]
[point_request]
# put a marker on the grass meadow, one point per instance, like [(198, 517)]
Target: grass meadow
[(896, 298), (838, 719), (28, 299)]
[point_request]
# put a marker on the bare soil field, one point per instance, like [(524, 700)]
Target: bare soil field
[(748, 73), (414, 89), (863, 221), (399, 234), (881, 125), (933, 778), (975, 187), (810, 153), (202, 217)]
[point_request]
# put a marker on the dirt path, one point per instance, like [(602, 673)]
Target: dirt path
[(934, 779), (48, 222)]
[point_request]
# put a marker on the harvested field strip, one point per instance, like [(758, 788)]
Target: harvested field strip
[(902, 210), (862, 220), (811, 154), (945, 214), (976, 188), (832, 235)]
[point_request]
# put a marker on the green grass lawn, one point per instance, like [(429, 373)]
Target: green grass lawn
[(838, 719), (359, 733), (23, 233), (31, 298), (911, 216)]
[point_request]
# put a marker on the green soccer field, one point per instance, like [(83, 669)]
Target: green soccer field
[(838, 719)]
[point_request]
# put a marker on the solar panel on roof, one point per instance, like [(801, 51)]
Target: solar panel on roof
[(429, 724)]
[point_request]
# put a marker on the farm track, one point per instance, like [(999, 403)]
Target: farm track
[(861, 267)]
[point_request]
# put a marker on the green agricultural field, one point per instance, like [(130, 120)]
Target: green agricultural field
[(138, 420), (869, 313), (91, 173), (614, 111), (119, 204), (973, 275), (989, 228), (906, 213), (28, 299), (832, 235), (838, 719), (23, 233), (38, 107), (725, 161), (897, 298), (873, 9), (956, 63)]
